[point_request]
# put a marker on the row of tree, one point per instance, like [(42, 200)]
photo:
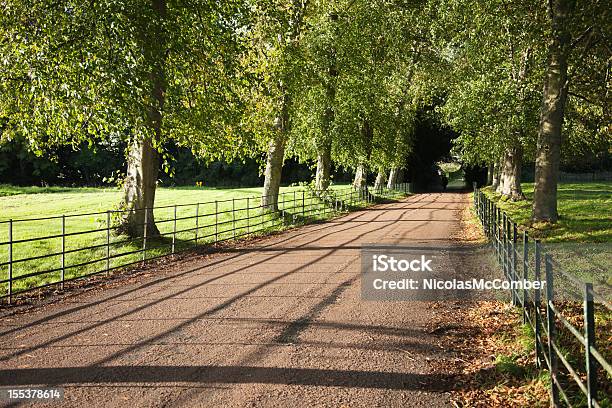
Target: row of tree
[(331, 81), (531, 77)]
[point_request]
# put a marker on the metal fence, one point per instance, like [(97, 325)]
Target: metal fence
[(521, 259), (47, 251)]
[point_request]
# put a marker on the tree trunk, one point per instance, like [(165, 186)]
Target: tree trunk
[(502, 175), (143, 158), (512, 174), (496, 176), (392, 180), (322, 176), (139, 189), (275, 159), (274, 166), (361, 176), (380, 180), (548, 150), (490, 174)]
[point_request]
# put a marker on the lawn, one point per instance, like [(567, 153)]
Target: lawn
[(581, 241), (585, 213), (238, 212)]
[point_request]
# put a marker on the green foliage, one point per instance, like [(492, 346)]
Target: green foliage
[(495, 84), (74, 73), (498, 52), (84, 71)]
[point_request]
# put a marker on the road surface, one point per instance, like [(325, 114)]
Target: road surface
[(278, 322)]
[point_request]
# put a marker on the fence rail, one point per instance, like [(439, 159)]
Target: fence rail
[(51, 251), (541, 312)]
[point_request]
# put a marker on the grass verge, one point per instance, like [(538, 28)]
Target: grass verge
[(222, 215), (585, 213)]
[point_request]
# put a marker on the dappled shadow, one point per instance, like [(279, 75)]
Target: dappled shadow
[(211, 248), (210, 311), (226, 375), (245, 371)]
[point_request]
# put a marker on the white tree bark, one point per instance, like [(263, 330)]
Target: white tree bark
[(273, 172), (380, 180), (496, 176), (361, 176), (512, 174), (392, 180), (322, 177)]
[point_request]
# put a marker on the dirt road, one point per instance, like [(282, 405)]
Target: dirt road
[(278, 323)]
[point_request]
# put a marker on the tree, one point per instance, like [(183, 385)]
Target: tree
[(375, 91), (591, 20), (273, 62), (143, 71), (492, 97)]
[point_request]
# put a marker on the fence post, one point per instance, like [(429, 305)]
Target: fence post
[(525, 274), (491, 217), (63, 276), (233, 218), (144, 235), (487, 210), (504, 234), (589, 335), (197, 222), (537, 297), (216, 221), (515, 295), (174, 231), (310, 206), (248, 216), (10, 261), (550, 323), (325, 204), (108, 229), (282, 211), (303, 203), (500, 233)]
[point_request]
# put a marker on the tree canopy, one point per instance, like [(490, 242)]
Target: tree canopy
[(340, 81)]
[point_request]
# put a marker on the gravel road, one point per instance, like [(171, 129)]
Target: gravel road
[(277, 322)]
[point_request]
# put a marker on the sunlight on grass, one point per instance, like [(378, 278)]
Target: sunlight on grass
[(222, 214), (585, 213)]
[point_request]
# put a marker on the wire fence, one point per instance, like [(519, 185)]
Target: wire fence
[(553, 313), (51, 251)]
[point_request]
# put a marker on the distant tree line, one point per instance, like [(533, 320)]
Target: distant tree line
[(98, 165)]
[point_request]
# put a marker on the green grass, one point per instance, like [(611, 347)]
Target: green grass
[(581, 240), (8, 190), (585, 213), (29, 203)]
